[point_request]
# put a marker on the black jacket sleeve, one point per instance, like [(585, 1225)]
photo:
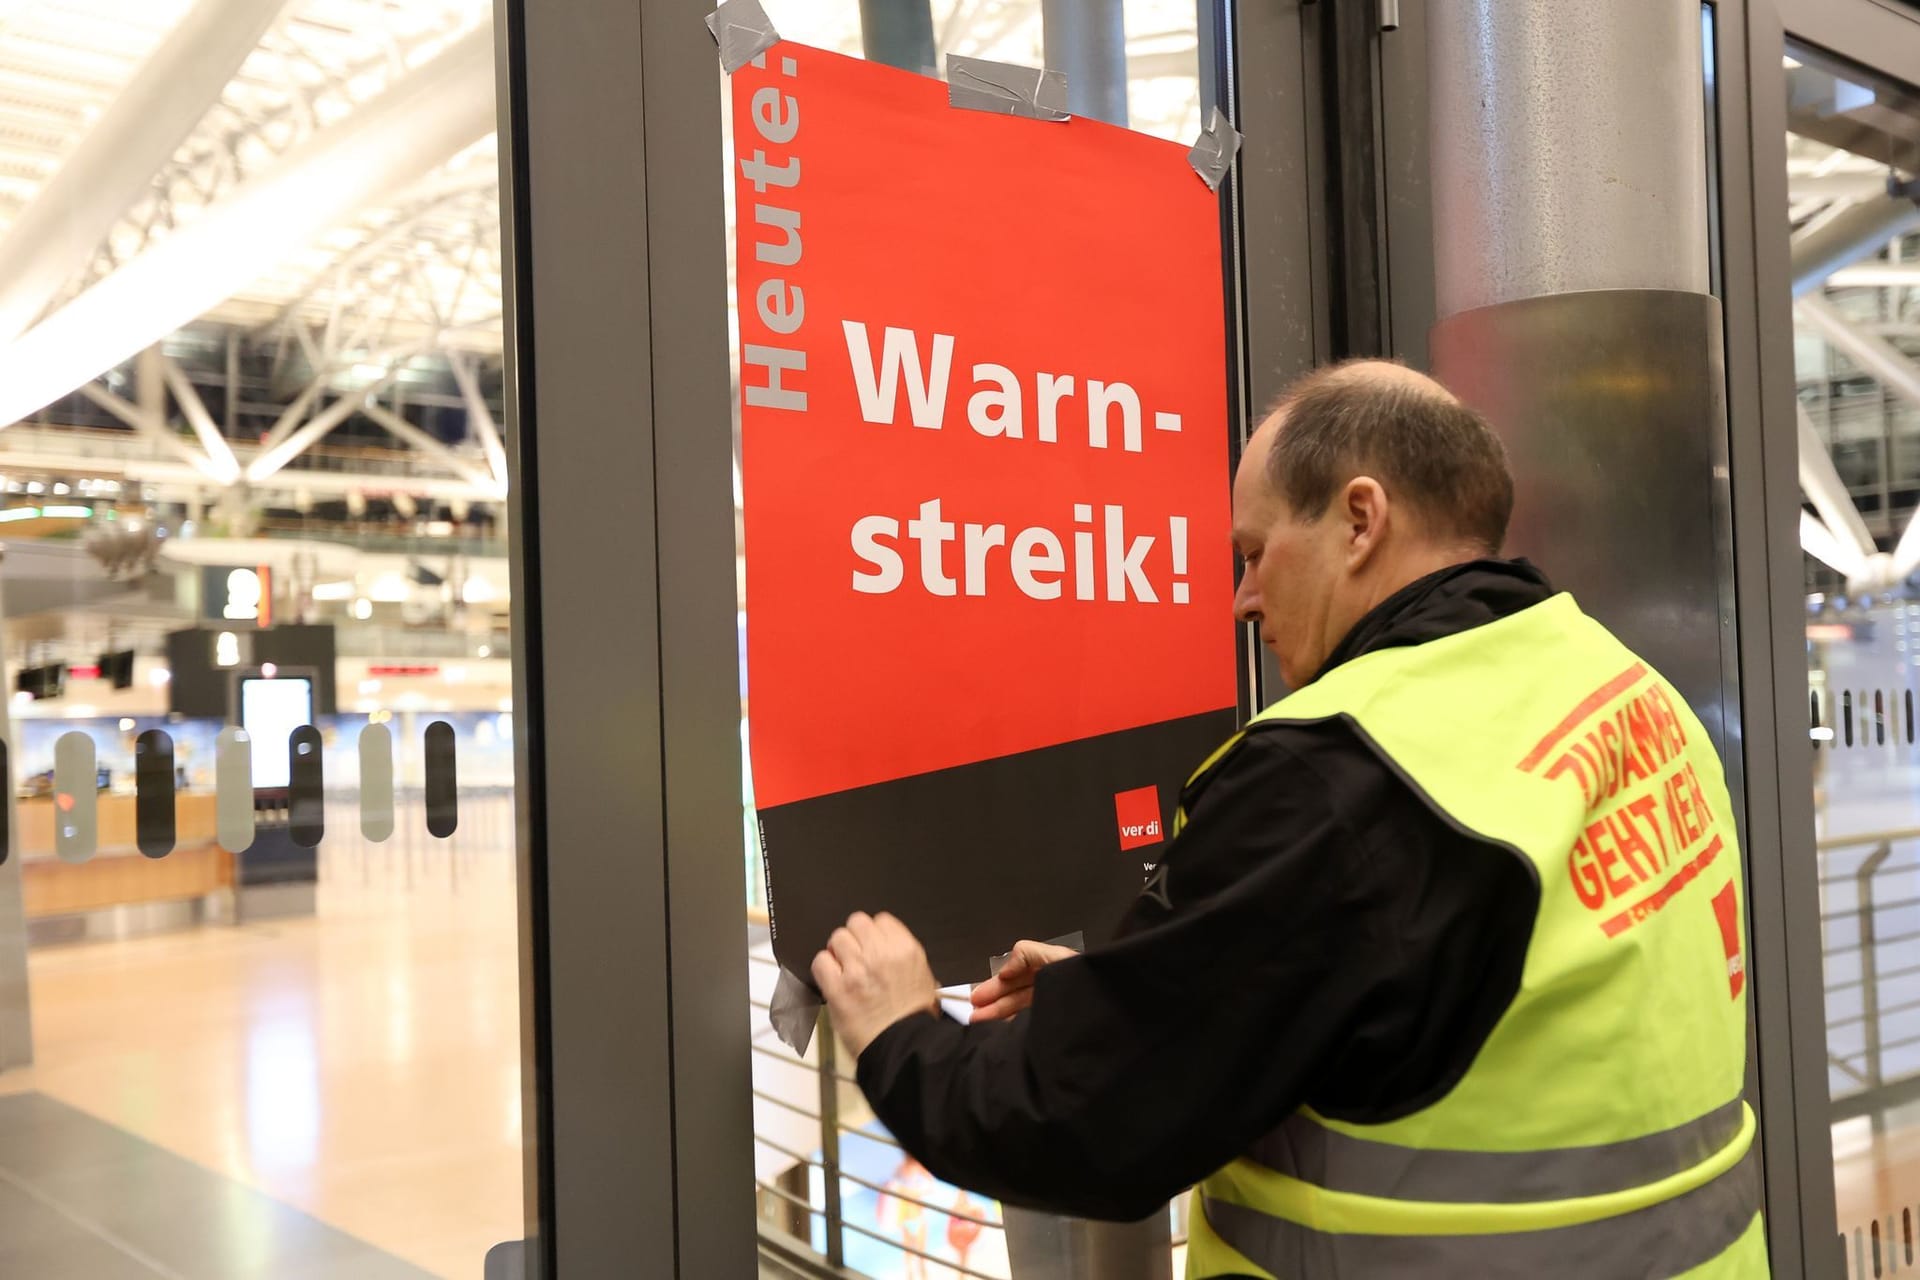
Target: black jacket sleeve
[(1321, 937)]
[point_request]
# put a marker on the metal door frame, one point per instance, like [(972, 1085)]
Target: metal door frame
[(1788, 967), (637, 1088), (633, 895)]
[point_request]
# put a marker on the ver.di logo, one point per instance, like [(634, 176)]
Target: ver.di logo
[(1138, 813)]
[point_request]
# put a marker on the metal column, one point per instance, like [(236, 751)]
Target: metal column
[(899, 33), (1569, 149), (1087, 39), (1570, 224), (16, 1020)]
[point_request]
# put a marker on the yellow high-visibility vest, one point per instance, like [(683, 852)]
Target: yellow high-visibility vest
[(1600, 1132)]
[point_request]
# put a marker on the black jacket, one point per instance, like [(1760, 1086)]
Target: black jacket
[(1320, 937)]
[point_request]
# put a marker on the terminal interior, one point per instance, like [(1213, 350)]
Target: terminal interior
[(258, 437)]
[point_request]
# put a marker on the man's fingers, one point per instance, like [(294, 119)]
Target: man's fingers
[(1039, 955), (827, 974), (1004, 1007), (861, 925), (843, 944)]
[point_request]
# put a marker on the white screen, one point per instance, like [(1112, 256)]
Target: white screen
[(270, 710)]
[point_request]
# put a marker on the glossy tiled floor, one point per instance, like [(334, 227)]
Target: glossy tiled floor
[(354, 1074), (83, 1200)]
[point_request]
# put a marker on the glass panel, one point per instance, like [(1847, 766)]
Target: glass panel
[(1853, 137), (259, 988), (887, 1217)]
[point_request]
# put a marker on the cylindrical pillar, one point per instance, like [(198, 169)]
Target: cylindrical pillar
[(1571, 254), (899, 33), (1569, 149), (1087, 39)]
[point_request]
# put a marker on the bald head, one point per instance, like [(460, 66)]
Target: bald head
[(1433, 455)]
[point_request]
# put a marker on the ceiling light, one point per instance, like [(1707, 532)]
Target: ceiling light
[(389, 588)]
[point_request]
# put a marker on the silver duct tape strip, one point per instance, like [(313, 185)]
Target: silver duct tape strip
[(1212, 156), (233, 790), (743, 31), (76, 789), (793, 1012), (1004, 89), (1075, 941), (376, 783)]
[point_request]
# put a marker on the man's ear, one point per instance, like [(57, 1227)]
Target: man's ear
[(1367, 512)]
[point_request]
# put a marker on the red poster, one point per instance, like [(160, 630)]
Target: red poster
[(985, 464)]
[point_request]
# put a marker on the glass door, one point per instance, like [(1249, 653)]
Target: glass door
[(260, 977)]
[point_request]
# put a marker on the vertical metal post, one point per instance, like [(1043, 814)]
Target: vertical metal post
[(830, 1137), (899, 33), (1087, 39), (231, 418), (16, 1021), (1870, 963), (1351, 151)]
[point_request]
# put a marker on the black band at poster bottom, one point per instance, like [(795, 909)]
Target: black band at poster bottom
[(976, 857)]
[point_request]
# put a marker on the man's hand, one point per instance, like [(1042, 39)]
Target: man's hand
[(873, 973), (1011, 990)]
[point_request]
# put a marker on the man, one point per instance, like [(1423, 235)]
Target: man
[(1444, 976)]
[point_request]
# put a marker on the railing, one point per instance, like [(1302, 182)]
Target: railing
[(817, 1179), (823, 1196), (1877, 921), (371, 640), (410, 855), (375, 537)]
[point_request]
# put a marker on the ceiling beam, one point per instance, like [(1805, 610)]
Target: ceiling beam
[(1895, 372), (151, 428), (1870, 351), (415, 126), (270, 460), (1854, 233), (480, 417), (219, 452), (1837, 186), (57, 234), (1876, 275), (431, 447), (1820, 481), (1821, 543)]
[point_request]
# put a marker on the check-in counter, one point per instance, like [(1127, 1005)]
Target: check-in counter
[(119, 875)]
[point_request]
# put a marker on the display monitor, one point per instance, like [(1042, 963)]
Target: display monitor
[(270, 710)]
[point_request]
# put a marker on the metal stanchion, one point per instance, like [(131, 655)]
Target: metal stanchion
[(1046, 1246)]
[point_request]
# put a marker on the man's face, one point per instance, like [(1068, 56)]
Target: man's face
[(1294, 567)]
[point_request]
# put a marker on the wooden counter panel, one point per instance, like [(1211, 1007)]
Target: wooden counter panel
[(51, 887), (194, 818)]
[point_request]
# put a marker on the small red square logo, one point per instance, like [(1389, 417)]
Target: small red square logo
[(1726, 909), (1139, 814)]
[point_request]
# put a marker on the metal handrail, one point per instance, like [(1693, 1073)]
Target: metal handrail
[(1866, 910)]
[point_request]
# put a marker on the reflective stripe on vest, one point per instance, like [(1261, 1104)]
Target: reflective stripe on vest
[(1667, 1238), (1304, 1148)]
